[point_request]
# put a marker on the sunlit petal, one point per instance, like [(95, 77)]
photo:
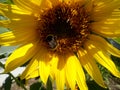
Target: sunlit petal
[(20, 56), (89, 64), (102, 58)]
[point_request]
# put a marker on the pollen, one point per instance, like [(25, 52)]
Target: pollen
[(64, 27)]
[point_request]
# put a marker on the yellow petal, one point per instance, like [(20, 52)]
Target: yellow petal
[(46, 4), (25, 22), (80, 76), (59, 72), (75, 74), (20, 56), (15, 38), (10, 8), (109, 27), (53, 64), (70, 69), (1, 12), (44, 71), (17, 18), (60, 79), (26, 5), (4, 23), (55, 2), (34, 74), (102, 58), (104, 45), (90, 66), (32, 69), (103, 8), (62, 61), (108, 63), (111, 30), (44, 66), (32, 66), (37, 5), (73, 1)]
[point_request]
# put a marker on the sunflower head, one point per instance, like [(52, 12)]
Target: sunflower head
[(64, 27), (61, 37)]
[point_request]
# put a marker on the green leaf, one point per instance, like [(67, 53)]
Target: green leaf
[(2, 56), (6, 1), (116, 60), (1, 65), (21, 81), (2, 1), (8, 82), (117, 40), (49, 84), (9, 2), (36, 86), (93, 86)]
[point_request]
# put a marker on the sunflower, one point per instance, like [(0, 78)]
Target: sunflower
[(61, 37)]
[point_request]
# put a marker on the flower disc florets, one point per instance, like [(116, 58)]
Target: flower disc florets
[(64, 27)]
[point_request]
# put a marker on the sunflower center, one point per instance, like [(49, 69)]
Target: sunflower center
[(64, 27)]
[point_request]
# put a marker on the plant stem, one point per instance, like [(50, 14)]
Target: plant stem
[(16, 80)]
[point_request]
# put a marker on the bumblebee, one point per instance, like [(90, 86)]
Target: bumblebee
[(51, 41)]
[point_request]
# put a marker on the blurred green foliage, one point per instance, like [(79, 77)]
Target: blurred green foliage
[(8, 83), (117, 40), (6, 1)]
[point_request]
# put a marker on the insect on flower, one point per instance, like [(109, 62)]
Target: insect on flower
[(52, 41)]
